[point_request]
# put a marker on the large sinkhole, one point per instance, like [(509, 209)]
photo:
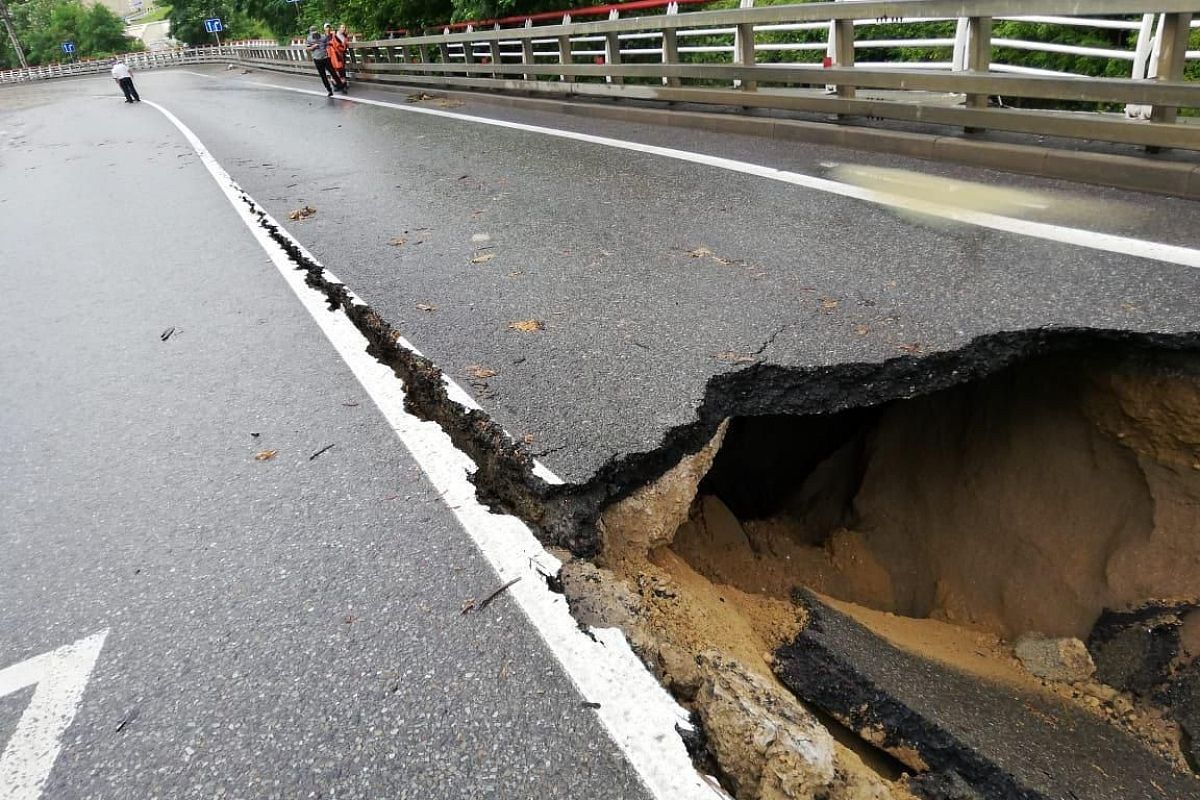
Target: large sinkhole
[(1030, 500)]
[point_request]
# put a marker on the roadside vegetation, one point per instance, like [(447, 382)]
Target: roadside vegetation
[(43, 25)]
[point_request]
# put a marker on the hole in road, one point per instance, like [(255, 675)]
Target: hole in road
[(1027, 501)]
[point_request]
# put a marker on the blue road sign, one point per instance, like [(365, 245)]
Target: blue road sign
[(213, 25), (68, 47)]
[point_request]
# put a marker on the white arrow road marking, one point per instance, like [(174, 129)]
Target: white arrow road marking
[(60, 677)]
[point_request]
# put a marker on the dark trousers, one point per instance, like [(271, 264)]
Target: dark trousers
[(130, 93), (326, 71)]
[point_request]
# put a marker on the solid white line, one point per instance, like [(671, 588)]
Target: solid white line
[(60, 676), (1093, 240), (637, 712)]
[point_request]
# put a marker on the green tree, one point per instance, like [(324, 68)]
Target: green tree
[(43, 25)]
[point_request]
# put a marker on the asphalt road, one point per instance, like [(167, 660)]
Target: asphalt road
[(597, 243), (284, 628), (292, 626)]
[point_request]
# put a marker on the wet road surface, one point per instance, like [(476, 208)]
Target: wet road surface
[(601, 246), (281, 628), (290, 626)]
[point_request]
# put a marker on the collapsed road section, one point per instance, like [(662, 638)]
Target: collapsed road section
[(972, 574), (877, 580)]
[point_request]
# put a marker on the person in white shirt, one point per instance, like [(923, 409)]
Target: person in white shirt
[(124, 79)]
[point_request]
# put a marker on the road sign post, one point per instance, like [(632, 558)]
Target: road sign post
[(296, 3), (214, 27), (68, 49)]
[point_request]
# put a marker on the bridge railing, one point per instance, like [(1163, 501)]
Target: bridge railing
[(150, 59), (732, 58)]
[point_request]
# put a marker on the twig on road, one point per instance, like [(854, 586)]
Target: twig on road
[(322, 450), (470, 605)]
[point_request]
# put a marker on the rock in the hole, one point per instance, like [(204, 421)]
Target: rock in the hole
[(596, 597), (1061, 660), (768, 745)]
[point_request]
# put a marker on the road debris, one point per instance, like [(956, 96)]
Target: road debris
[(426, 307), (398, 241), (265, 455), (528, 325), (127, 718), (324, 449), (167, 334), (470, 603), (482, 258), (480, 371), (302, 213)]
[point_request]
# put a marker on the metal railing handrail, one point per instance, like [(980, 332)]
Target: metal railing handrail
[(884, 10)]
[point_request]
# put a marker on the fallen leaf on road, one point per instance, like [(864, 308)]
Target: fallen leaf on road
[(828, 304), (482, 258), (589, 704), (302, 213), (735, 358), (700, 252), (911, 348), (515, 274), (480, 371), (861, 330), (398, 241), (528, 438), (350, 403), (425, 307), (467, 605), (528, 325), (167, 333), (265, 455)]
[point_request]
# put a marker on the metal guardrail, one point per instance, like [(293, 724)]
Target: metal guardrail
[(150, 59), (652, 58), (713, 57)]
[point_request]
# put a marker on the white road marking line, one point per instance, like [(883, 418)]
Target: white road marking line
[(60, 677), (637, 712), (1093, 240)]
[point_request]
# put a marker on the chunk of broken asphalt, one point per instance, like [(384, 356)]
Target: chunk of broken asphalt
[(1140, 650), (998, 740)]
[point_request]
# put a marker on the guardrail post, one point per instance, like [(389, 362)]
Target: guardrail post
[(495, 49), (468, 49), (1172, 52), (843, 51), (423, 57), (444, 51), (743, 48), (527, 50), (564, 50), (670, 46), (958, 61), (979, 59), (612, 49)]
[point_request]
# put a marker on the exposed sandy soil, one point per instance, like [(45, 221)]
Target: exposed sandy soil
[(948, 525)]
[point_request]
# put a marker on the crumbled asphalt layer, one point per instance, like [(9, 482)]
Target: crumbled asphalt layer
[(1140, 650), (994, 740)]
